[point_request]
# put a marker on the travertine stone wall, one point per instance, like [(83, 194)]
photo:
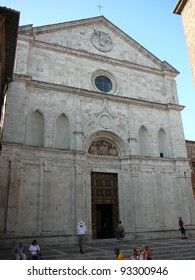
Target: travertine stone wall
[(46, 191)]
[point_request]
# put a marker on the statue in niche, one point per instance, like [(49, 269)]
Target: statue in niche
[(103, 147)]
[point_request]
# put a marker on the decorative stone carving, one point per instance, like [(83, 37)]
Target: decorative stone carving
[(101, 41), (50, 102), (102, 118), (135, 170), (183, 173), (103, 147), (105, 121)]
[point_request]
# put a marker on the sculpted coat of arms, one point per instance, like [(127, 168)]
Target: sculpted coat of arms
[(101, 41)]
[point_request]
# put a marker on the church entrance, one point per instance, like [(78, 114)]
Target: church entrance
[(104, 192)]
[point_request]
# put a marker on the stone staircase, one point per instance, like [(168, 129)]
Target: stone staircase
[(176, 252), (167, 249)]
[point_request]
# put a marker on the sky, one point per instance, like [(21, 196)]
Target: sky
[(150, 22)]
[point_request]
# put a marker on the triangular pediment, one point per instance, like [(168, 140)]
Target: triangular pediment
[(98, 36)]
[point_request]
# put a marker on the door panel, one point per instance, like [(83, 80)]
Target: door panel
[(104, 190)]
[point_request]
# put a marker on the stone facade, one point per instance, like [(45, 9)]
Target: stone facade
[(186, 8), (88, 102)]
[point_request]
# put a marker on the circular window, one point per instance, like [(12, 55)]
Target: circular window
[(103, 83)]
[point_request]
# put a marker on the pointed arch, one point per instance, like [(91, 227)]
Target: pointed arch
[(62, 133), (35, 129), (163, 143), (144, 142)]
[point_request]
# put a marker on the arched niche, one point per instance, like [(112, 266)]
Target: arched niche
[(163, 143), (62, 133), (35, 129), (144, 142)]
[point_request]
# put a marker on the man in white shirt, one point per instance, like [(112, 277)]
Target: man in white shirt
[(81, 230)]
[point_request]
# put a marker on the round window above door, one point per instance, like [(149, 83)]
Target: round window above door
[(104, 82)]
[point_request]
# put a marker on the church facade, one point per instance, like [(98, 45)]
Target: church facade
[(92, 132)]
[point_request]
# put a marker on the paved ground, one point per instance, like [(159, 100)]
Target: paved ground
[(103, 249)]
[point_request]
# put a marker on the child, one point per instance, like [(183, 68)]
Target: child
[(119, 255)]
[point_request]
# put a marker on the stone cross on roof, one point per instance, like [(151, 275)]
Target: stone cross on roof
[(99, 7)]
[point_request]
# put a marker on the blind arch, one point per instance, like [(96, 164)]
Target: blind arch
[(144, 142), (35, 129), (62, 133), (163, 143)]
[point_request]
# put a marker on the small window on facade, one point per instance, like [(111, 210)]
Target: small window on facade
[(161, 155), (103, 83)]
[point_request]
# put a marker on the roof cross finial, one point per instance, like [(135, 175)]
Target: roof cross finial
[(99, 7)]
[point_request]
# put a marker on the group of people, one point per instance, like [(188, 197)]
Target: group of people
[(34, 253), (144, 253), (20, 253)]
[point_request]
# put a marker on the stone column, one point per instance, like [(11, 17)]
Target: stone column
[(79, 191), (138, 220), (12, 198), (47, 201), (159, 196), (78, 126), (126, 200)]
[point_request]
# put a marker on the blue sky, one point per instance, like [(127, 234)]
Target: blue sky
[(150, 22)]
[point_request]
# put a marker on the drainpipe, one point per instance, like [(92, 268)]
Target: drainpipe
[(7, 196)]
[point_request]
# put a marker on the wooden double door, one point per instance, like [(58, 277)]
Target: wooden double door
[(104, 197)]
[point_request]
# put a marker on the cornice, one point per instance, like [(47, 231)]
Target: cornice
[(96, 95)]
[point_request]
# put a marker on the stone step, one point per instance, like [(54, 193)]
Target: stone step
[(103, 250)]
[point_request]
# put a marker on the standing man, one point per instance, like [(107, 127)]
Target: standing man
[(81, 230), (121, 232), (181, 227)]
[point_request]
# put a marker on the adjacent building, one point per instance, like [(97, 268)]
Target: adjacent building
[(191, 155), (186, 8), (9, 21)]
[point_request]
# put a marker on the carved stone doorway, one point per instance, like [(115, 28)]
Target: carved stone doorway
[(104, 197)]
